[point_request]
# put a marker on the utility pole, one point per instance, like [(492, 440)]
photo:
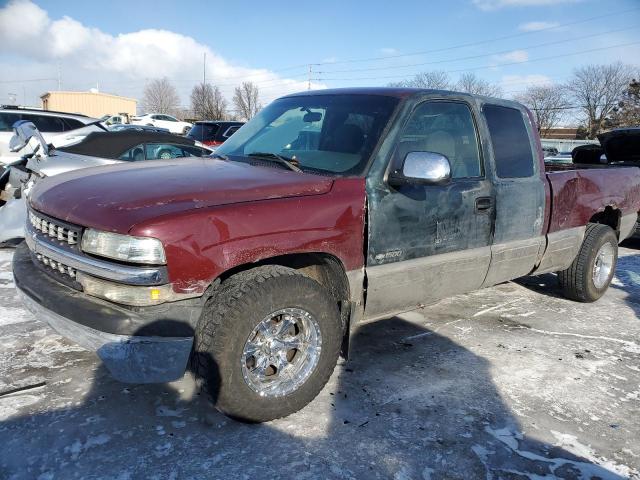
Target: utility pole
[(204, 69), (309, 78), (59, 78)]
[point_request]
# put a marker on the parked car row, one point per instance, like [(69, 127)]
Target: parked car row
[(325, 210), (58, 128), (97, 148), (163, 121), (213, 133)]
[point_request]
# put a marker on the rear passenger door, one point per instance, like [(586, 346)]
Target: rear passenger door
[(428, 242), (520, 194)]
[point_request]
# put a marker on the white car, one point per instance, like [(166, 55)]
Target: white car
[(163, 121), (57, 128)]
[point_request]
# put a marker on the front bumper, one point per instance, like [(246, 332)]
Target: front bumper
[(137, 345)]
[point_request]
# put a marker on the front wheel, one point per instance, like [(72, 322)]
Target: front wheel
[(267, 343), (591, 272)]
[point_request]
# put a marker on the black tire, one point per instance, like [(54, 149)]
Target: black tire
[(577, 280), (229, 317)]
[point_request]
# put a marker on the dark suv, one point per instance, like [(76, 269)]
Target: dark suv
[(213, 133)]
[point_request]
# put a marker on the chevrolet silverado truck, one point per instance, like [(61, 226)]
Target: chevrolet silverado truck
[(327, 209)]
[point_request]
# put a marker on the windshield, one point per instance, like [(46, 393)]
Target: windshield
[(332, 134)]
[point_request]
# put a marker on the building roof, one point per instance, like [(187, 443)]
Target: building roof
[(55, 92)]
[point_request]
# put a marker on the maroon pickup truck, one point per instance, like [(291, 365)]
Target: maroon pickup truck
[(327, 209)]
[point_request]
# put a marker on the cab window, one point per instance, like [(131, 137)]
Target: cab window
[(164, 151), (511, 146), (7, 120), (134, 154), (446, 128)]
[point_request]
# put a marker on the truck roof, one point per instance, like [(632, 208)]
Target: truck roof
[(396, 92)]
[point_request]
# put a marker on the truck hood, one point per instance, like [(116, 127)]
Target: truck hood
[(117, 197)]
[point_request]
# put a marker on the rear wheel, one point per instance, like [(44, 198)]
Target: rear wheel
[(591, 272), (267, 343)]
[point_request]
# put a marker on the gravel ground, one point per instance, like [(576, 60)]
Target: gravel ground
[(510, 382)]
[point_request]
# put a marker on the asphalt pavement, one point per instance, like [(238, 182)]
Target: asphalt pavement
[(511, 382)]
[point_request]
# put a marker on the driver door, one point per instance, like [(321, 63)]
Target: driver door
[(430, 241)]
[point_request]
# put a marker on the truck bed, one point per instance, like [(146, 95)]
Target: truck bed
[(578, 193)]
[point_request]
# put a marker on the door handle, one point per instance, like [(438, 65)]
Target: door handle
[(483, 204)]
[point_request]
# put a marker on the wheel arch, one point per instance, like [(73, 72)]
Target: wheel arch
[(328, 270), (610, 216)]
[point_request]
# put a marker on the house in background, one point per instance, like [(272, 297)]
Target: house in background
[(92, 103)]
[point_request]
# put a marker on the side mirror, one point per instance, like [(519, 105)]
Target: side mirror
[(422, 168), (24, 131)]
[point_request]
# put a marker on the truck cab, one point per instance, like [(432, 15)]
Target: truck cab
[(327, 209)]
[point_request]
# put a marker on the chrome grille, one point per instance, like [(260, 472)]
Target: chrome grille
[(53, 229), (56, 266)]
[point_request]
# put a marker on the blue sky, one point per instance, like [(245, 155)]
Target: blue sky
[(263, 40)]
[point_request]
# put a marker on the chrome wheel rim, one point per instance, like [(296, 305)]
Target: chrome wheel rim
[(281, 352), (603, 265)]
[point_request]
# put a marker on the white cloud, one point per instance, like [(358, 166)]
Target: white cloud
[(388, 51), (511, 57), (33, 44), (497, 4), (536, 26)]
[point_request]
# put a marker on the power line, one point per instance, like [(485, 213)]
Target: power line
[(423, 52), (484, 67), (30, 80), (480, 42), (472, 57)]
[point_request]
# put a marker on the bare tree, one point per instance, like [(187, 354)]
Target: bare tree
[(160, 96), (207, 102), (471, 83), (548, 104), (597, 90), (627, 112), (436, 79), (246, 100)]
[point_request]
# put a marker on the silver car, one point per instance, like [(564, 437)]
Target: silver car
[(97, 148)]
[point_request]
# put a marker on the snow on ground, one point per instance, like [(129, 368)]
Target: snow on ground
[(510, 382)]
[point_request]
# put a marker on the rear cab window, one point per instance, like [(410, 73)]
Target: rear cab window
[(511, 143)]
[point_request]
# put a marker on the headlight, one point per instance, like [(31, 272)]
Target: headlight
[(128, 294), (123, 247)]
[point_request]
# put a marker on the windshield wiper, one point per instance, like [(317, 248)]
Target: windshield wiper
[(290, 163), (219, 155)]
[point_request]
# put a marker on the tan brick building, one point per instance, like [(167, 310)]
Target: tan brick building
[(93, 104)]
